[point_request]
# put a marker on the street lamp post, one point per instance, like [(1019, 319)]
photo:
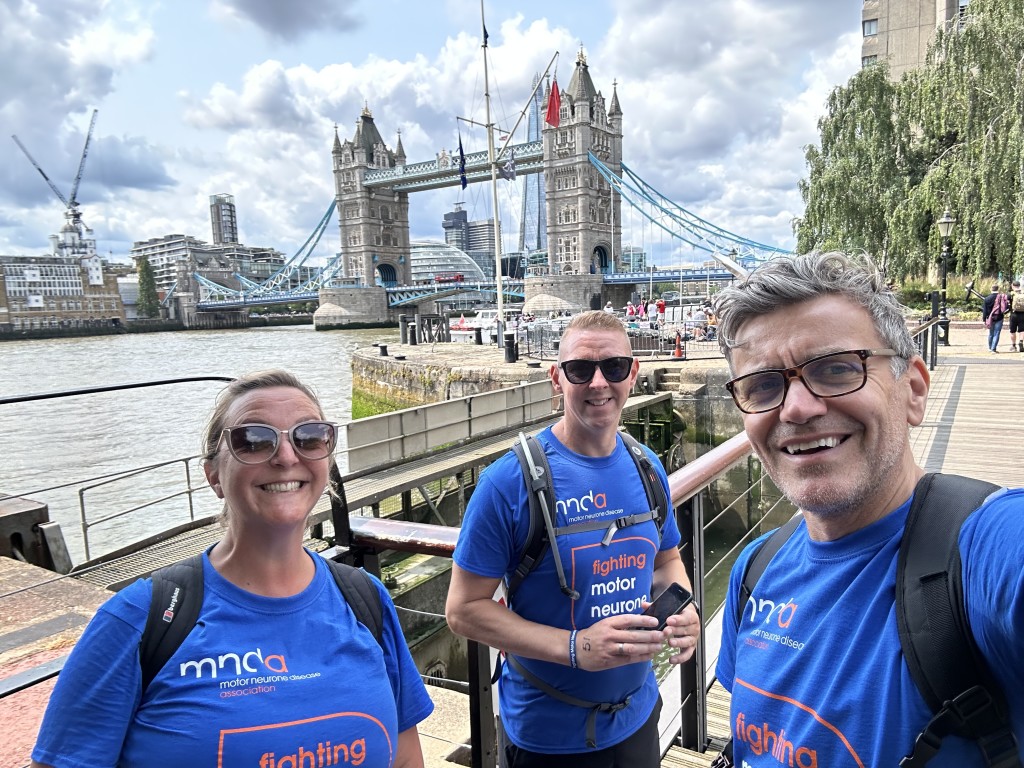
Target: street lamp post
[(945, 225)]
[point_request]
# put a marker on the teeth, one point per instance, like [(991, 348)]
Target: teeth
[(282, 487), (825, 442)]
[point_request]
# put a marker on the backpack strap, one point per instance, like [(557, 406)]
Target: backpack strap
[(178, 598), (565, 698), (935, 632), (362, 597), (173, 612), (759, 561), (541, 491), (657, 498)]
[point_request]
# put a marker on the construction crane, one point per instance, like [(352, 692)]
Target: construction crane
[(71, 213)]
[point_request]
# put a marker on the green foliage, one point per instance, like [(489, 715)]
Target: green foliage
[(147, 305), (948, 135)]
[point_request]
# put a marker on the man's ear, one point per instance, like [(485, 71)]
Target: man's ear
[(918, 381)]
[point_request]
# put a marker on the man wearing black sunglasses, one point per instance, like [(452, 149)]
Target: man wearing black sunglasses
[(578, 689), (830, 382)]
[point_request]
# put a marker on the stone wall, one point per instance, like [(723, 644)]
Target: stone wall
[(343, 306), (579, 291)]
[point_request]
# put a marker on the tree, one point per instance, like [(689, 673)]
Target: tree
[(949, 134), (147, 305)]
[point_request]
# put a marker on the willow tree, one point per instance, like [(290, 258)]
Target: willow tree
[(969, 104), (949, 134), (861, 171)]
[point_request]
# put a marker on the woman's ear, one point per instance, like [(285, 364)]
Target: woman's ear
[(212, 471)]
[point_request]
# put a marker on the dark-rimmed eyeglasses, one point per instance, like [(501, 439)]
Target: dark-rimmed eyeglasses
[(614, 369), (832, 375), (258, 443)]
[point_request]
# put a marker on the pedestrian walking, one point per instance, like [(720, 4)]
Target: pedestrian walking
[(992, 313), (1016, 317)]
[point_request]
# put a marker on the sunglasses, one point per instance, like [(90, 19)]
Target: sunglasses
[(614, 369), (258, 443)]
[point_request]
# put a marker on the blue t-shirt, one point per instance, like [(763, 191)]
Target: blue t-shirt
[(816, 671), (260, 681), (611, 579)]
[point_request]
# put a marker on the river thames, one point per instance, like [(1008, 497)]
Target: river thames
[(50, 442)]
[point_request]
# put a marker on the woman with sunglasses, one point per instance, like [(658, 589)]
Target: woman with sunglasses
[(277, 671), (578, 690)]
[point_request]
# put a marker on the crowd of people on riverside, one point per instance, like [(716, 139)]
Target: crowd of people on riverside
[(290, 661)]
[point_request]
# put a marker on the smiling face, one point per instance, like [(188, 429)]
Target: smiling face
[(592, 409), (845, 461), (282, 491)]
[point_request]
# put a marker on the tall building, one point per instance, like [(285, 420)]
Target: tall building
[(175, 258), (374, 222), (456, 228), (899, 31), (584, 218), (223, 219), (533, 220)]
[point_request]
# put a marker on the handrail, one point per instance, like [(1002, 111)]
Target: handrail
[(107, 388)]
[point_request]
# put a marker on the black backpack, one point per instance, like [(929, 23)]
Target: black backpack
[(537, 475), (935, 635), (178, 597)]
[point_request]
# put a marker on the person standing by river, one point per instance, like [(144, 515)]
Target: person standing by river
[(278, 665), (579, 690)]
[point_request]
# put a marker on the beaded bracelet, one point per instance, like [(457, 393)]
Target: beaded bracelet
[(572, 650)]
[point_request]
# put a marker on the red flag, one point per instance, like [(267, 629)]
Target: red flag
[(554, 105)]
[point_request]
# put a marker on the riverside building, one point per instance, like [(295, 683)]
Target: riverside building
[(899, 31)]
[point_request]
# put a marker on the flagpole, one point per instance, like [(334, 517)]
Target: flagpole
[(494, 188)]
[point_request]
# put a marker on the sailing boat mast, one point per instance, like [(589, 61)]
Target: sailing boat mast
[(494, 187)]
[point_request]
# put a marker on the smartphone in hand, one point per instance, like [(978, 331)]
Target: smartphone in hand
[(668, 603)]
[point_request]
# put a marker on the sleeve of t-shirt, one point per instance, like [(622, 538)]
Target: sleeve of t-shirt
[(412, 701), (99, 689), (488, 540), (991, 552)]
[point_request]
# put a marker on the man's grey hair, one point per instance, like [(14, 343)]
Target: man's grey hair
[(787, 280)]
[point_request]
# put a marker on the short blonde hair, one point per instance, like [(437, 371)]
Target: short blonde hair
[(594, 320)]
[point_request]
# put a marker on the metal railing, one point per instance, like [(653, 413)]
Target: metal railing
[(699, 507)]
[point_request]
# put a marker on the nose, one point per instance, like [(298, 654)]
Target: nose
[(799, 404), (285, 454)]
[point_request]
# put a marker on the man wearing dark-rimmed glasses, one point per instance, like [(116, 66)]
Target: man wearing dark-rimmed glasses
[(577, 636), (829, 383)]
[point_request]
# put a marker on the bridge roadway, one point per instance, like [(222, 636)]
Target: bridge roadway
[(514, 288), (972, 394)]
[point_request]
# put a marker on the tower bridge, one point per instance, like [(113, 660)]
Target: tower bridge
[(584, 184)]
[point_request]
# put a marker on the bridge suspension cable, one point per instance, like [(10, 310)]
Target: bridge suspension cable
[(280, 281), (683, 225)]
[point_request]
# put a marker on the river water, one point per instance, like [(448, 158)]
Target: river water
[(50, 442)]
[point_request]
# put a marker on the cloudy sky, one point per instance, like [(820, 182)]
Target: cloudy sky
[(199, 97)]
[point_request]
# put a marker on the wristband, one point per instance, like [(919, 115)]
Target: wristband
[(572, 650)]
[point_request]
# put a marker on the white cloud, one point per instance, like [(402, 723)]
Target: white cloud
[(717, 104)]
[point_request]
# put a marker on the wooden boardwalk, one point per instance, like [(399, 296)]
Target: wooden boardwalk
[(976, 398)]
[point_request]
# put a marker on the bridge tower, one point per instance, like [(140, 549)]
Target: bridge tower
[(374, 223), (584, 222)]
